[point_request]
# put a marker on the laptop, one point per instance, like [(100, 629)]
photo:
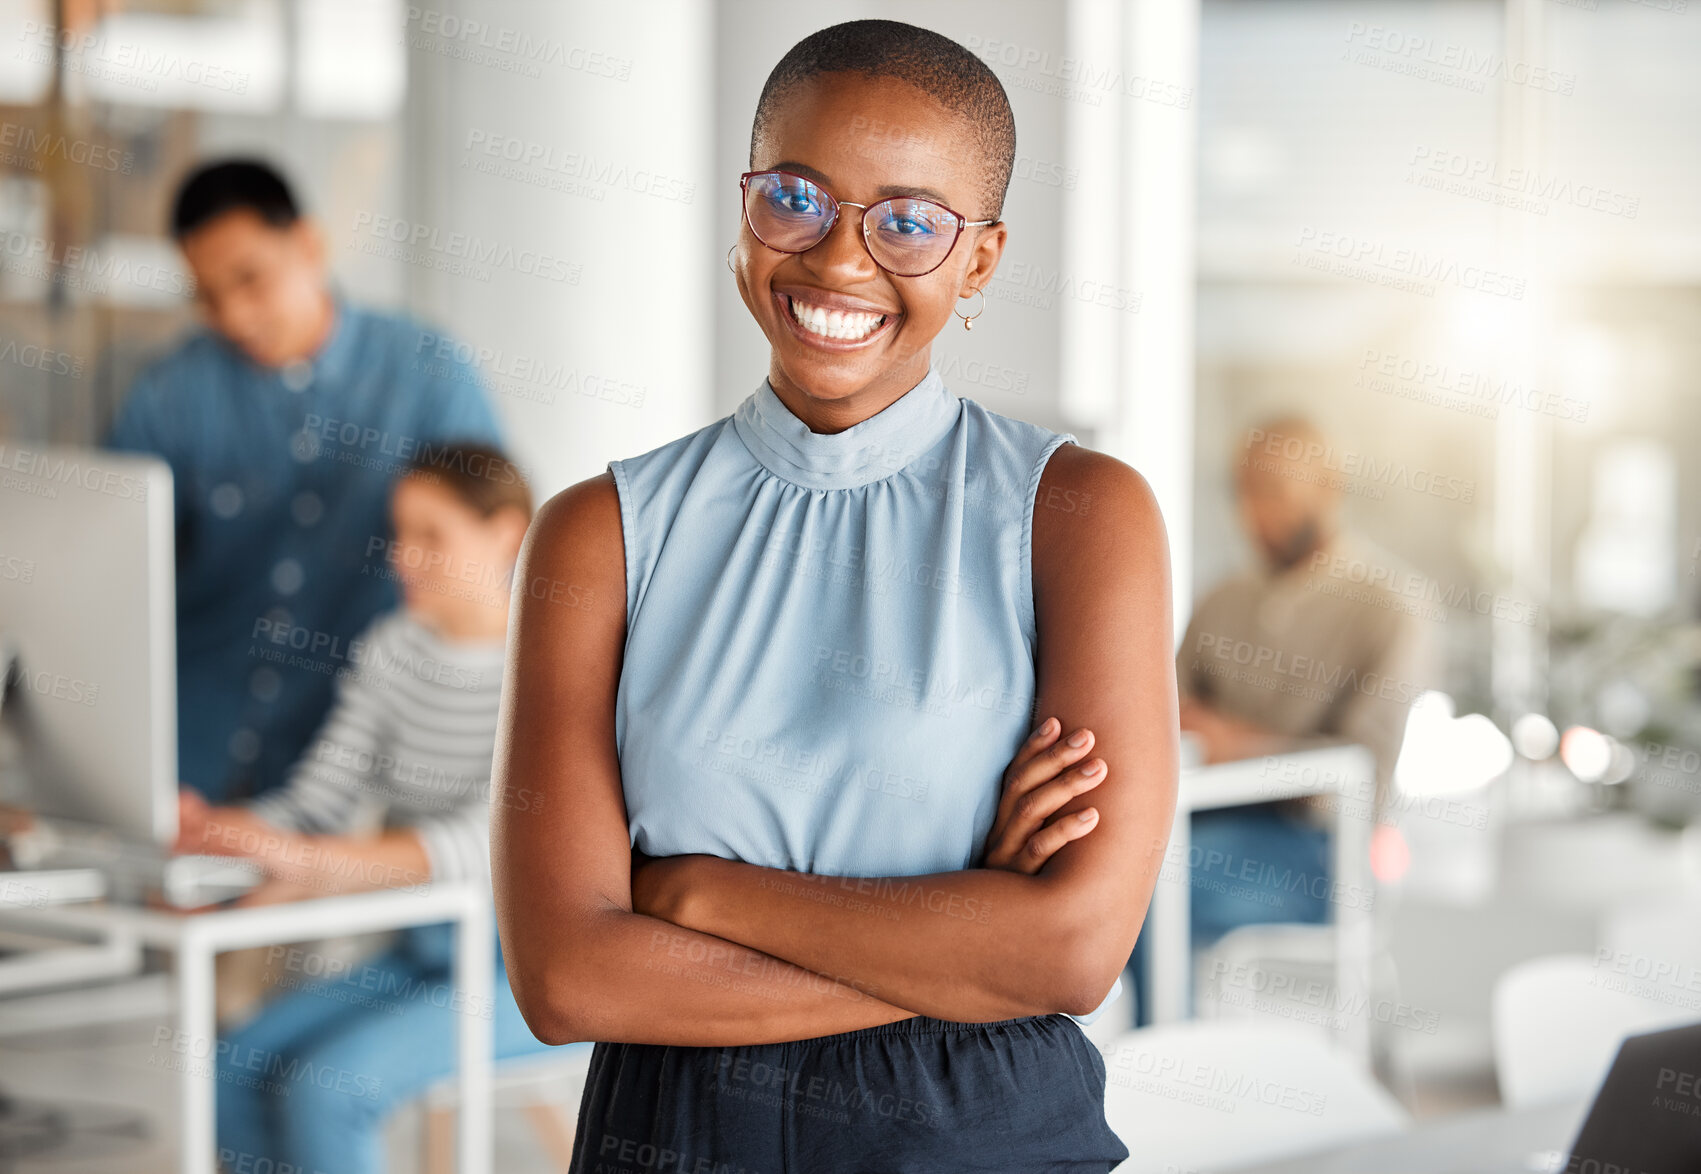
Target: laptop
[(1646, 1119)]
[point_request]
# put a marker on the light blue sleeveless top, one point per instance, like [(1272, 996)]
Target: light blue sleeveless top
[(830, 638)]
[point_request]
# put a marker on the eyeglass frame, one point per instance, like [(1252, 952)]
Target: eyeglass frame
[(962, 221)]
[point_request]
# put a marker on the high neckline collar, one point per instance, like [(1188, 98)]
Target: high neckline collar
[(868, 451)]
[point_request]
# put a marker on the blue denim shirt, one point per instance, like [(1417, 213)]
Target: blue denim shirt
[(283, 480)]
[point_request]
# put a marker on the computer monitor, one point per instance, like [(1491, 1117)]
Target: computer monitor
[(88, 624)]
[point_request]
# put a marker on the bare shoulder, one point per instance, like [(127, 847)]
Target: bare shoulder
[(1088, 505), (575, 550), (580, 524)]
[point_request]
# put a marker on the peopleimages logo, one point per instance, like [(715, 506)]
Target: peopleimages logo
[(1479, 392), (52, 471), (125, 63), (85, 268), (1448, 63), (38, 145), (1075, 77), (428, 244), (522, 376), (1311, 460), (548, 158), (1412, 584), (1438, 163), (40, 358), (1414, 270), (500, 46), (1263, 665)]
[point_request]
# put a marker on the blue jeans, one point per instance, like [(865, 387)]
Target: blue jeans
[(305, 1086), (1250, 865)]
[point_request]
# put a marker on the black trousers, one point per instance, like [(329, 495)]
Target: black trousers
[(1023, 1096)]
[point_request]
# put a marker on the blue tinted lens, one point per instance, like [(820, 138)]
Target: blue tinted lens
[(913, 218), (910, 236), (788, 195), (786, 212)]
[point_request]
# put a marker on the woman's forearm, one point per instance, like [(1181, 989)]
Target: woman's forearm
[(619, 976), (970, 946), (625, 976), (331, 864)]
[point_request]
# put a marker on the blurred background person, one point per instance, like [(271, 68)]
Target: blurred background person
[(285, 423), (409, 741), (1314, 644)]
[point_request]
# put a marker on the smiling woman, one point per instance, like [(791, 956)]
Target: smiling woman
[(803, 867), (823, 126)]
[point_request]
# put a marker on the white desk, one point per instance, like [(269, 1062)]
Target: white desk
[(197, 938), (1346, 770), (1504, 1141), (1216, 1094)]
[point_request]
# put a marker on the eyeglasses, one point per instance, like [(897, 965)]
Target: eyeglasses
[(906, 236)]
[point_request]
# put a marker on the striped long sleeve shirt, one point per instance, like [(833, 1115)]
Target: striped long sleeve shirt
[(409, 740)]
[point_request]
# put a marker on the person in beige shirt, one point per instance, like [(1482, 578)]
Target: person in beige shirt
[(1327, 640)]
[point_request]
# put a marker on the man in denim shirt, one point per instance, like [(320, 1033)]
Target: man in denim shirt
[(285, 425)]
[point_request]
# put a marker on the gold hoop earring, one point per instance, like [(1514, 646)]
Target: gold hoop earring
[(729, 254), (969, 319)]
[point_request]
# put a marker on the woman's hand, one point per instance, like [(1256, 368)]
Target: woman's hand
[(1045, 774), (191, 821), (277, 891), (219, 831), (328, 865)]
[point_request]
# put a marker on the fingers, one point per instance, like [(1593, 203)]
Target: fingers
[(1043, 844), (1043, 736), (1046, 773), (194, 821), (260, 894), (1041, 802), (1026, 819), (1044, 759), (191, 830), (273, 892)]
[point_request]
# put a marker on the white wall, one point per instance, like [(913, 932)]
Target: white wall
[(612, 103)]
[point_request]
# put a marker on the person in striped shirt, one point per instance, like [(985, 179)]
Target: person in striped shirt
[(394, 791)]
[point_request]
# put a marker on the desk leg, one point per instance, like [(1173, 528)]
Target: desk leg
[(1169, 967), (198, 1023), (475, 977), (1354, 926)]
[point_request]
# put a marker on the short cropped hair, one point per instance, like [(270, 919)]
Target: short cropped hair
[(933, 63), (480, 475), (228, 186)]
